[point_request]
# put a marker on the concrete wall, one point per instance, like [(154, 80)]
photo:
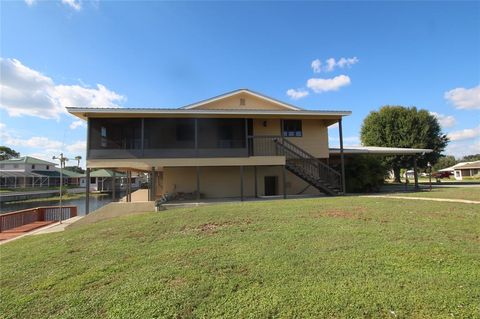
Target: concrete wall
[(219, 182)]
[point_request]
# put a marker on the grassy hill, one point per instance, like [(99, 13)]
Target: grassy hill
[(328, 257)]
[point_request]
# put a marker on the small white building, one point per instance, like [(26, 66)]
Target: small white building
[(465, 169)]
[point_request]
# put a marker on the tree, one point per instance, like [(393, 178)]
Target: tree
[(398, 126), (75, 169), (78, 158), (7, 153), (444, 162), (471, 158)]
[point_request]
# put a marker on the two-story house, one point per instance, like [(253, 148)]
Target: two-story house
[(27, 171), (239, 144)]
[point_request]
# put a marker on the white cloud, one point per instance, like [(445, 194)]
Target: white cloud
[(343, 62), (465, 134), (318, 85), (75, 4), (30, 2), (444, 120), (317, 66), (331, 64), (77, 147), (462, 148), (76, 124), (28, 92), (353, 140), (297, 94), (464, 99)]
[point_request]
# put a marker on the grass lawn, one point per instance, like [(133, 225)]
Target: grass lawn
[(469, 193), (320, 258)]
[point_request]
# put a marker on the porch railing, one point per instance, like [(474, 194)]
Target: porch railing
[(28, 216)]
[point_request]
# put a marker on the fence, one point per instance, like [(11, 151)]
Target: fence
[(27, 216)]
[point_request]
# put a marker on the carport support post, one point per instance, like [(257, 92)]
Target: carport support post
[(415, 174), (241, 183), (87, 191), (342, 158), (114, 178)]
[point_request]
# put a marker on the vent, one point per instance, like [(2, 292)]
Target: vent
[(242, 102)]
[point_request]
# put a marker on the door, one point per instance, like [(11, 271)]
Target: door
[(270, 185)]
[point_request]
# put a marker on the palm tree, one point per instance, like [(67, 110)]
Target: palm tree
[(78, 158)]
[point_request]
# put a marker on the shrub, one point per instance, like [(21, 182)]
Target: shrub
[(365, 174)]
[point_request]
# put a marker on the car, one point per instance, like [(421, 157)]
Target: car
[(440, 175)]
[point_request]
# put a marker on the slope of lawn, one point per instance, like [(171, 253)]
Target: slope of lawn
[(327, 257), (468, 193)]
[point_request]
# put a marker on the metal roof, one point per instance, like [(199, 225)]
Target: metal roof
[(84, 112), (380, 150), (26, 160)]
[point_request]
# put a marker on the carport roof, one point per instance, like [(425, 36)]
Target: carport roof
[(379, 150)]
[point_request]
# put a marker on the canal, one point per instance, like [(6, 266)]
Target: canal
[(95, 203)]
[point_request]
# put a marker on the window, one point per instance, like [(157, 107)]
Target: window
[(48, 167), (242, 102), (292, 128), (92, 180), (33, 166), (115, 133)]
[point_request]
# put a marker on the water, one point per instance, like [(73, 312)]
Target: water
[(95, 203)]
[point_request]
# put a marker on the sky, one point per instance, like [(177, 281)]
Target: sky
[(355, 56)]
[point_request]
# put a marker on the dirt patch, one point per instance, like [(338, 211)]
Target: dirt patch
[(212, 228), (356, 213), (177, 282)]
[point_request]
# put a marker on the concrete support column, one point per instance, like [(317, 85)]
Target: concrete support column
[(284, 180), (342, 157), (114, 184), (129, 186), (241, 183), (153, 184), (198, 183), (255, 181), (87, 191)]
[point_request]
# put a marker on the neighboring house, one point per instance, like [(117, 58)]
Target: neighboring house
[(27, 172), (239, 144), (102, 180), (465, 169), (74, 178)]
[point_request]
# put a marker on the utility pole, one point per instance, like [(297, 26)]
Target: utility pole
[(62, 159)]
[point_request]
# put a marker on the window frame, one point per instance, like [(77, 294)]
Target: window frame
[(292, 128)]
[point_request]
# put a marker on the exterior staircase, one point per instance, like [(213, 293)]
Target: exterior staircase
[(299, 162), (310, 169)]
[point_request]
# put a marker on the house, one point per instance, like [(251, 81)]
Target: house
[(101, 180), (74, 178), (28, 172), (465, 169), (239, 144)]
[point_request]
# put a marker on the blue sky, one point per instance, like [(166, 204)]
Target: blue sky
[(166, 54)]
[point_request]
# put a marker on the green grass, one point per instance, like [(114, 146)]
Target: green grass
[(344, 257), (468, 193)]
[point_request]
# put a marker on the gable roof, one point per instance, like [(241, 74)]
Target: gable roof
[(105, 173), (26, 160), (238, 92)]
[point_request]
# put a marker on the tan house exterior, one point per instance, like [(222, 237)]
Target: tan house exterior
[(240, 144)]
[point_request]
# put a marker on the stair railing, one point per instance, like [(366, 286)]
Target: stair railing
[(303, 161)]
